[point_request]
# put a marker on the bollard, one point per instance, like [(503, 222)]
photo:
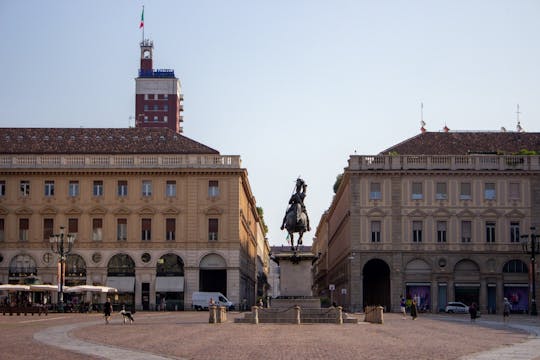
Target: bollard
[(255, 311), (221, 314), (297, 313), (339, 318), (212, 314)]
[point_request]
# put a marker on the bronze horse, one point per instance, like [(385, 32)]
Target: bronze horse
[(296, 222)]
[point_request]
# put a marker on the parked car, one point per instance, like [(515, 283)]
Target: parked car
[(456, 307)]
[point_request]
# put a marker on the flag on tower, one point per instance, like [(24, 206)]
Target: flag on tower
[(142, 19)]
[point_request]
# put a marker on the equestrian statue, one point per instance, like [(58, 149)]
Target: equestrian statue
[(296, 219)]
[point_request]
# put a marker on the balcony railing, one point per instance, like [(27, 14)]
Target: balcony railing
[(118, 161), (444, 162)]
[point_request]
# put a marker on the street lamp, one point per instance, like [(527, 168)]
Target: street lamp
[(532, 248), (58, 246)]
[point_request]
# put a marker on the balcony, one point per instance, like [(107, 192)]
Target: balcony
[(119, 161), (157, 73), (445, 162)]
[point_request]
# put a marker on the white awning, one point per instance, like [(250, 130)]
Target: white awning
[(418, 284), (170, 283), (516, 285), (466, 285), (122, 283)]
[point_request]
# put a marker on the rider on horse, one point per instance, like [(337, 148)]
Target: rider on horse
[(297, 198)]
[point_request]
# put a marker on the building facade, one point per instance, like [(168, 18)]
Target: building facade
[(158, 94), (438, 218), (155, 214)]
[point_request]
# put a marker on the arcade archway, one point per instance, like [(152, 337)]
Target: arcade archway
[(213, 274), (376, 284)]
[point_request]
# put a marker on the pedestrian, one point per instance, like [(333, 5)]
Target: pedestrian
[(107, 309), (402, 307), (261, 303), (473, 311), (414, 310), (506, 309)]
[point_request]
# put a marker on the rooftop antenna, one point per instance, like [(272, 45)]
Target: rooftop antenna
[(422, 122), (518, 127)]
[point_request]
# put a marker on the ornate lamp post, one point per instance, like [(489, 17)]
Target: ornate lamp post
[(532, 248), (62, 248)]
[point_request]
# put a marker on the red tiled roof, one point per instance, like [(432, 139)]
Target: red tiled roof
[(98, 141), (463, 143)]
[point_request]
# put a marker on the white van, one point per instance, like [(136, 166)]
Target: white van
[(201, 299)]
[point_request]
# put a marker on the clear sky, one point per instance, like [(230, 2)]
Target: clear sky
[(293, 87)]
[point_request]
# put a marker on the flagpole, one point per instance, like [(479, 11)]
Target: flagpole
[(142, 24)]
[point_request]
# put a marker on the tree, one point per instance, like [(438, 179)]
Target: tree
[(260, 211), (338, 182)]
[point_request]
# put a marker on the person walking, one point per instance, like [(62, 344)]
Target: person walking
[(402, 307), (473, 311), (414, 310), (107, 309), (506, 309)]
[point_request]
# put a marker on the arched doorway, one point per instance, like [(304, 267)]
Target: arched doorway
[(75, 275), (418, 283), (376, 283), (467, 282), (170, 282), (213, 274), (121, 275), (516, 285), (22, 270)]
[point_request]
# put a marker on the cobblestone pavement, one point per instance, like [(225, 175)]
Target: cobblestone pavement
[(187, 335)]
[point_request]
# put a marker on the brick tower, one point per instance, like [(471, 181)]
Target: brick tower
[(158, 94)]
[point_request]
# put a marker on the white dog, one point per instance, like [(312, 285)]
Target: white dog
[(127, 316)]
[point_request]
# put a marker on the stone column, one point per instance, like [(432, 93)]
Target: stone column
[(212, 316), (255, 311), (483, 296)]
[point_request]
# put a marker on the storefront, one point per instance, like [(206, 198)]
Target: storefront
[(518, 296), (421, 292)]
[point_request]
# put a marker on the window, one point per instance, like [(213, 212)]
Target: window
[(170, 229), (441, 231), (465, 191), (122, 188), (2, 231), (156, 97), (375, 231), (146, 229), (489, 191), (73, 188), (170, 188), (375, 191), (97, 229), (514, 231), (213, 226), (417, 231), (48, 228), (98, 188), (156, 118), (145, 107), (165, 107), (165, 118), (24, 226), (49, 187), (25, 188), (514, 192), (145, 96), (145, 118), (147, 188), (441, 193), (417, 191), (73, 226), (213, 188), (490, 231), (2, 188), (166, 96), (156, 108), (466, 231), (121, 229), (515, 266)]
